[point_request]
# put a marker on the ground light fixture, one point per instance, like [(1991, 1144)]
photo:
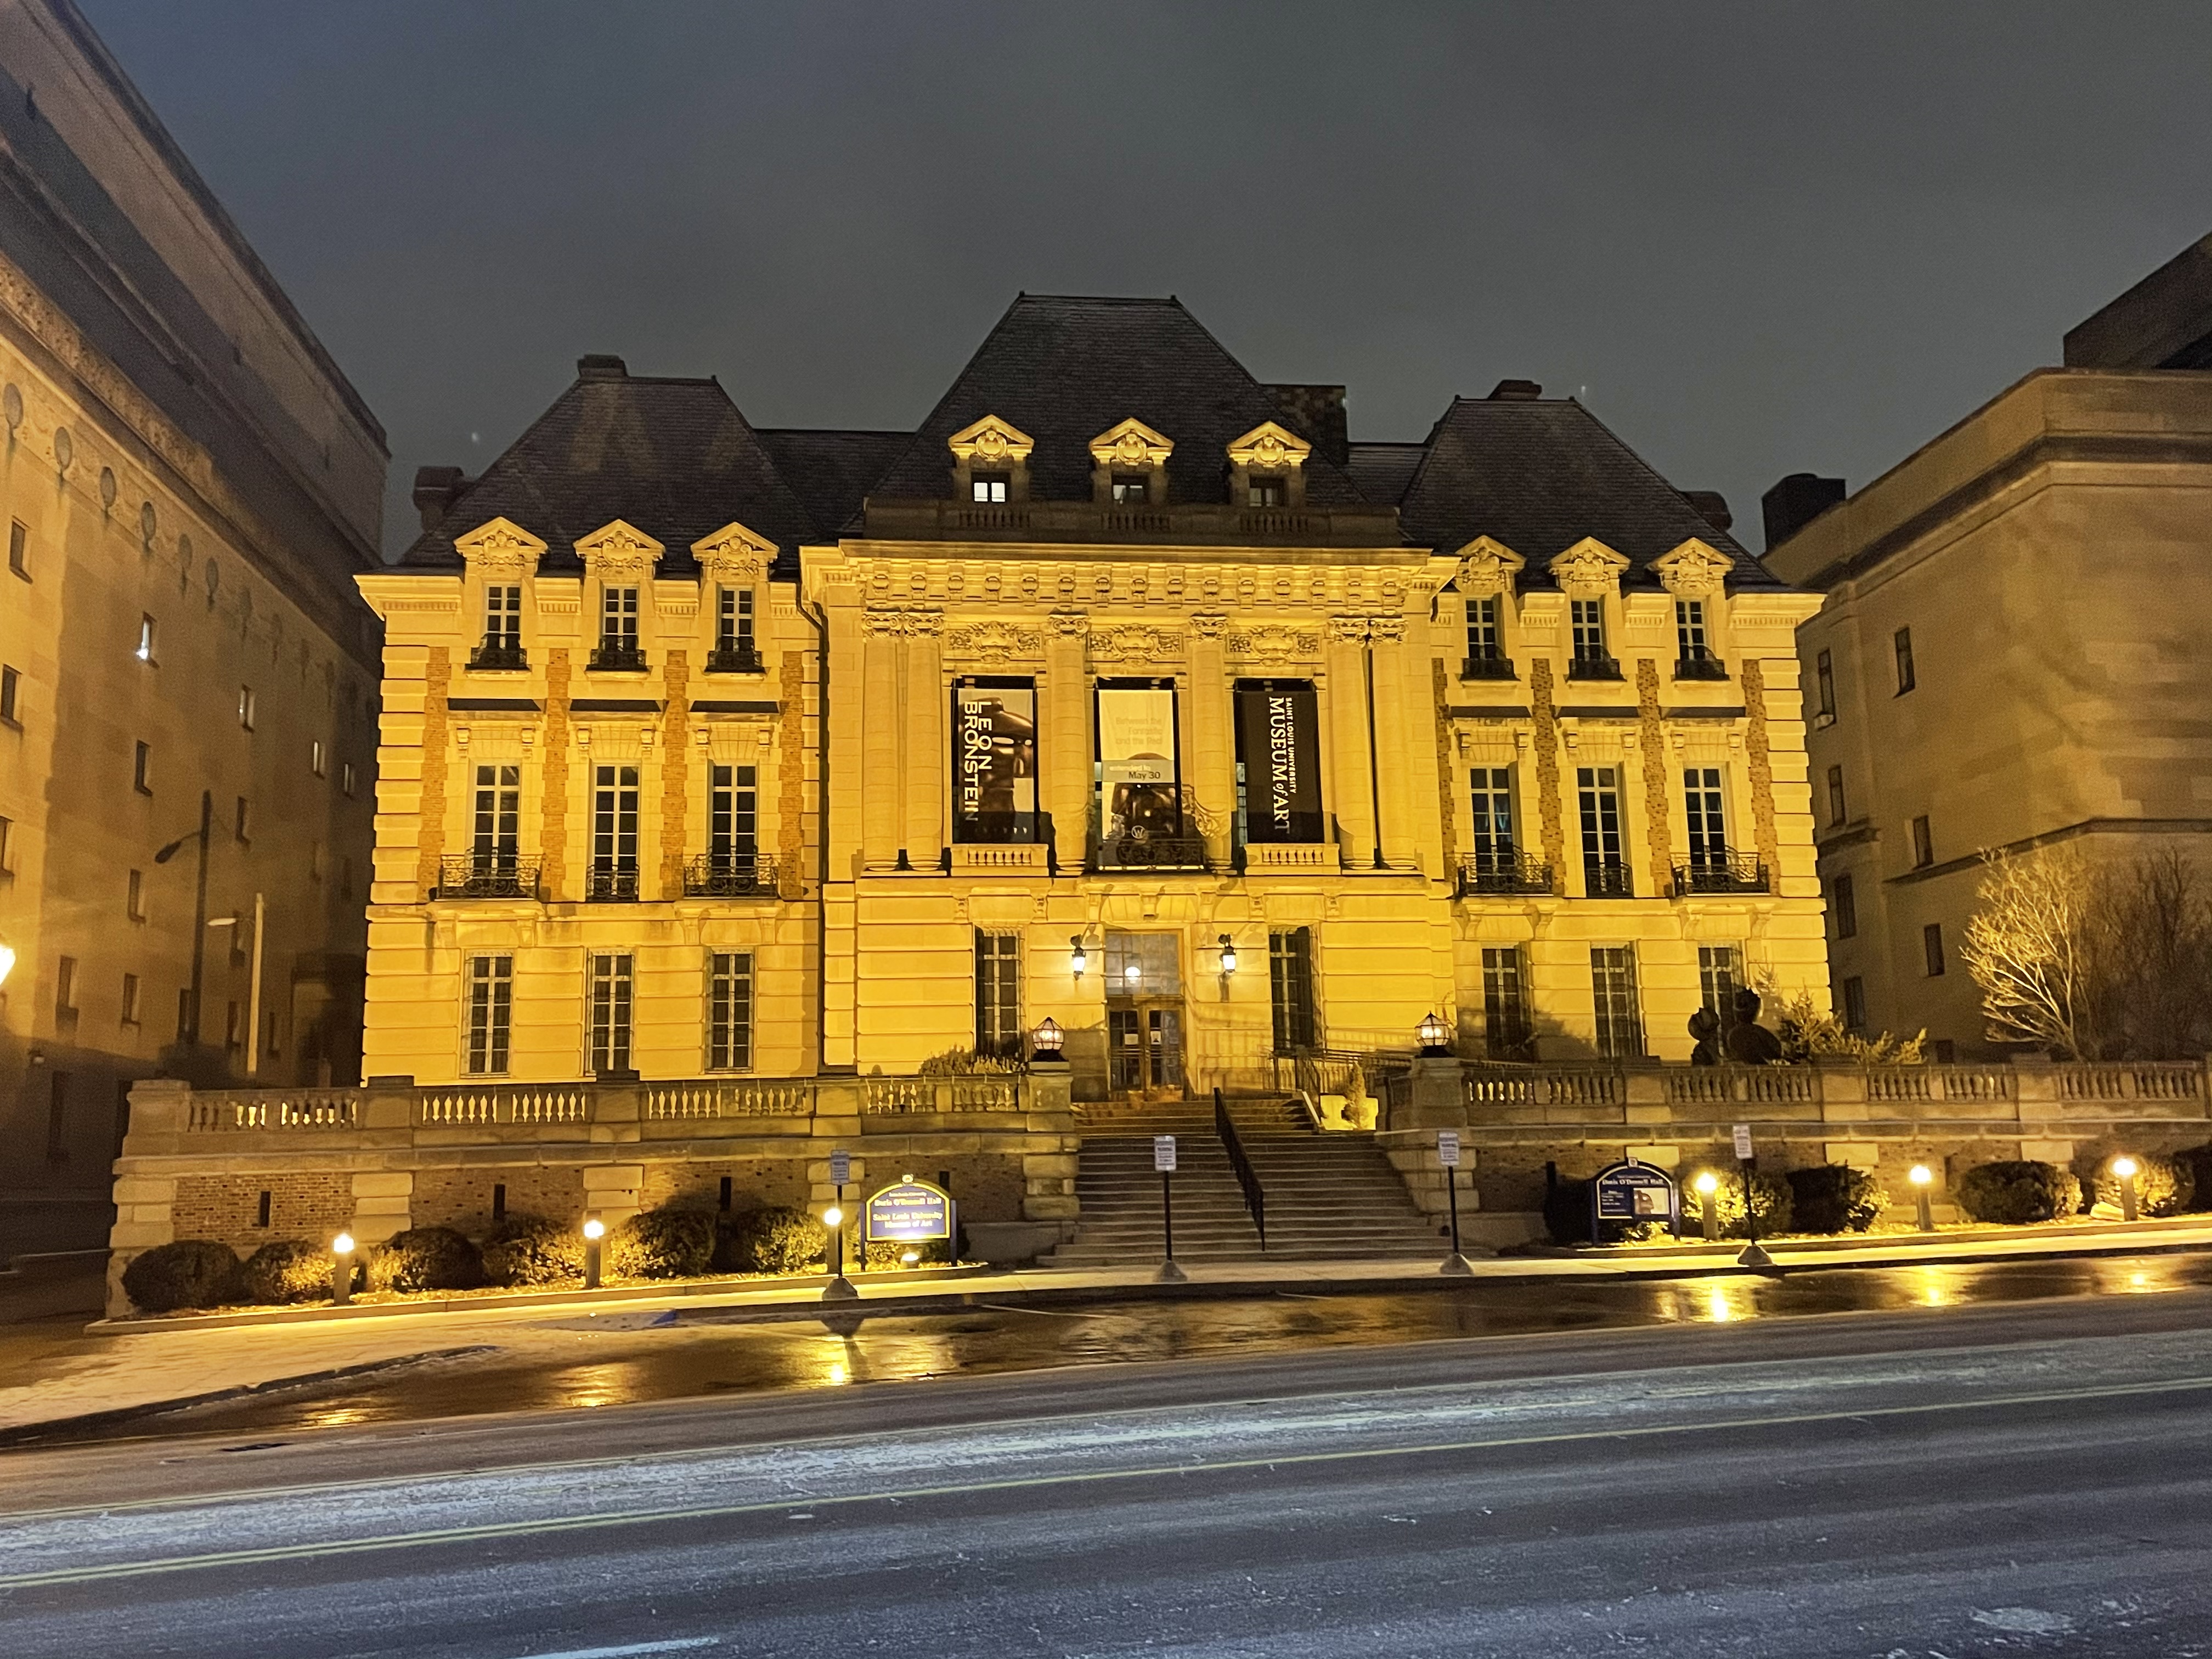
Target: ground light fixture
[(2127, 1169), (1048, 1040), (341, 1270), (1435, 1037), (1921, 1178), (595, 1230), (1228, 954), (840, 1288), (1709, 1215)]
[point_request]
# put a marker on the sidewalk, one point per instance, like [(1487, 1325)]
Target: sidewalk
[(52, 1370)]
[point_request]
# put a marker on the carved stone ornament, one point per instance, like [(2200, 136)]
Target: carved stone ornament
[(500, 547), (1208, 624), (618, 549), (1070, 624), (734, 553), (1347, 631), (1269, 448), (1274, 641), (885, 620), (1132, 445), (993, 641), (1589, 566), (1138, 643), (1694, 567), (991, 440), (1386, 629)]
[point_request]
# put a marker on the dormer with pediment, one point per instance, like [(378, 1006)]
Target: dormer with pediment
[(619, 562), (991, 463), (1128, 466), (501, 571), (733, 566), (1266, 467)]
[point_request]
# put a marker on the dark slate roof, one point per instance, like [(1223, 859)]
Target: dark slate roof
[(1383, 470), (1063, 370), (672, 457), (831, 472), (1539, 475)]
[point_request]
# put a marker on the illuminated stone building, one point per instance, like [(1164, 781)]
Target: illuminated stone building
[(1125, 691), (188, 486)]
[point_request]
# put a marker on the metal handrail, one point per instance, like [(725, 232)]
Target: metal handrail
[(727, 875), (735, 660), (486, 875), (1506, 871), (1593, 665), (1256, 1198), (616, 882), (1722, 872), (1705, 666), (1150, 853), (1489, 665), (1607, 879), (497, 651), (615, 656)]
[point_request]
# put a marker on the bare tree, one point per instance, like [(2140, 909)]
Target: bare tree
[(2032, 948), (2158, 945)]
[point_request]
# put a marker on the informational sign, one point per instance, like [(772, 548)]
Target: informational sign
[(1447, 1148), (909, 1212), (1139, 790), (1631, 1191), (1278, 740), (994, 761), (1164, 1154), (1743, 1143), (840, 1168)]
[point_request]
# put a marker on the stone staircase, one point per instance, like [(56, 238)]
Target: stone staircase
[(1332, 1196)]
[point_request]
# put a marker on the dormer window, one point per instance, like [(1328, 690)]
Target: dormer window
[(1268, 468), (1696, 660), (1131, 491), (990, 463), (1265, 491), (1591, 660), (618, 646), (991, 489), (734, 651), (502, 635), (1128, 465)]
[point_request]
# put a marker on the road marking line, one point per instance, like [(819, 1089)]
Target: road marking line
[(679, 1645), (500, 1529)]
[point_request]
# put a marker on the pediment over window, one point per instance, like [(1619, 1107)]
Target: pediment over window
[(1589, 566), (990, 442), (735, 551), (1487, 567), (1269, 448), (1694, 567), (1131, 445), (500, 546), (619, 549)]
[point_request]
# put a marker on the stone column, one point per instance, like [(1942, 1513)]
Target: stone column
[(1351, 777), (1212, 774), (925, 757), (879, 741), (1065, 756), (1403, 745)]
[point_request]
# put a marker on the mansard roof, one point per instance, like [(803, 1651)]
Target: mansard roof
[(1542, 474), (1065, 369)]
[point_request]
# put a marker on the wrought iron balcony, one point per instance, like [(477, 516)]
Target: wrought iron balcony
[(741, 658), (1607, 879), (1722, 872), (486, 875), (1141, 852), (1593, 665), (1488, 665), (1504, 872), (1701, 665), (614, 883), (498, 651), (617, 656), (729, 875)]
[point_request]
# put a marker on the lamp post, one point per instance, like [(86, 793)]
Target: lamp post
[(199, 912), (2126, 1168), (1709, 1212), (1047, 1042), (595, 1230), (1921, 1178), (253, 988), (1434, 1037), (840, 1288), (341, 1270), (1448, 1156)]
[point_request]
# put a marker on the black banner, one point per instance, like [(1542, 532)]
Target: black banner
[(1278, 740), (994, 755)]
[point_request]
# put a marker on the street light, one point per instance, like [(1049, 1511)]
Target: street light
[(1435, 1037), (1047, 1040), (594, 1230), (253, 988), (1922, 1178), (2127, 1169), (199, 908), (1708, 1185), (840, 1288), (341, 1270)]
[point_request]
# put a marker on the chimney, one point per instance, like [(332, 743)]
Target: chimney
[(436, 489), (600, 368), (1710, 505), (1318, 412), (1794, 503), (1515, 391)]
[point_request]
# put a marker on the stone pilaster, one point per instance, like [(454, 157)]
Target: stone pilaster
[(430, 829), (553, 846), (1651, 742), (1212, 775), (1065, 755), (791, 779), (879, 743), (1758, 766), (1351, 776), (675, 772), (1394, 734), (1447, 765), (925, 758), (1546, 745)]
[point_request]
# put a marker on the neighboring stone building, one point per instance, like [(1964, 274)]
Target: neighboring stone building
[(715, 749), (2012, 652), (190, 487)]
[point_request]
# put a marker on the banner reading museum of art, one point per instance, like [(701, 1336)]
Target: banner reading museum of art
[(1140, 791), (1278, 740), (994, 755)]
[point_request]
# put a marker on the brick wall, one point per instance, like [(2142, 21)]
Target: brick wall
[(226, 1208), (461, 1199), (755, 1183)]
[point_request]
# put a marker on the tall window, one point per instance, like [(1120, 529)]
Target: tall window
[(1132, 491), (1491, 793), (1905, 681), (1703, 807), (733, 621), (11, 684), (1923, 843), (130, 999), (1931, 947), (248, 706), (498, 816), (1824, 687), (503, 619), (1720, 976), (730, 1011), (1290, 988), (618, 622), (1506, 1027), (1855, 1018), (733, 818), (1612, 992), (1267, 492), (614, 832), (1588, 618), (19, 549), (134, 896), (1485, 643), (1605, 863), (1843, 903), (1690, 631), (65, 992), (142, 768), (145, 652), (998, 994), (610, 1014), (491, 1013), (1837, 810), (990, 487)]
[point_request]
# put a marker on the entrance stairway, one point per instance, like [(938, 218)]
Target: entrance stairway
[(1329, 1195)]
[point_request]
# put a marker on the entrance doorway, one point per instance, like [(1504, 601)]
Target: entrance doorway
[(1144, 1016)]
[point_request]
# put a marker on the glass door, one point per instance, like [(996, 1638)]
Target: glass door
[(1144, 1016)]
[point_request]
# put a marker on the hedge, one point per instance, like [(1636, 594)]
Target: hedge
[(777, 1241), (2017, 1190), (426, 1259), (1833, 1198), (287, 1270), (193, 1272), (662, 1244), (524, 1250), (1771, 1196)]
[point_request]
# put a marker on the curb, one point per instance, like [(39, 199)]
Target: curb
[(2155, 1230), (54, 1428)]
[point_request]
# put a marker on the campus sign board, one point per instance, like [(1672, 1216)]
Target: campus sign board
[(910, 1212), (1632, 1192)]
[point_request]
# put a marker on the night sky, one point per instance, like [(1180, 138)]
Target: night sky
[(1755, 239)]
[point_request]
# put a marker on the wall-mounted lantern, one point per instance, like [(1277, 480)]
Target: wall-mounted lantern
[(1078, 959), (1228, 954), (1047, 1040)]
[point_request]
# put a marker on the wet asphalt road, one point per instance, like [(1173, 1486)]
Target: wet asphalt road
[(2021, 1476)]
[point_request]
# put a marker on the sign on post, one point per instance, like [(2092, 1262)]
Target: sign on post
[(1164, 1154), (840, 1168), (1447, 1148), (1631, 1192), (909, 1212), (1743, 1143)]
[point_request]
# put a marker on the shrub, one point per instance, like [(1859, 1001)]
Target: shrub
[(287, 1270), (2016, 1190), (2164, 1186), (1833, 1198), (426, 1259), (777, 1241), (662, 1244), (193, 1272), (1567, 1212), (1771, 1194), (527, 1249)]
